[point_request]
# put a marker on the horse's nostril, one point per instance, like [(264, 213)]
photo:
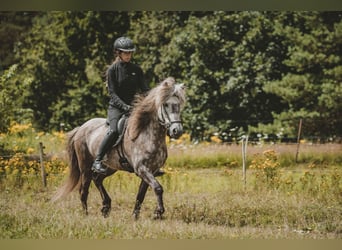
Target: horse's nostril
[(175, 131)]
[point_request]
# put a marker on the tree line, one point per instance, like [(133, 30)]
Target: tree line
[(246, 71)]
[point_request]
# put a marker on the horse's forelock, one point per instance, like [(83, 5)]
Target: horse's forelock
[(169, 88), (164, 90), (158, 95)]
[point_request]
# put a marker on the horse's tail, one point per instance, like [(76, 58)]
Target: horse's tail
[(74, 175)]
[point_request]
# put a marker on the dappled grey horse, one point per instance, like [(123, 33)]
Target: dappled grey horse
[(142, 148)]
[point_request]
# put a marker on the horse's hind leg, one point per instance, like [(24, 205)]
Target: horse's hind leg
[(84, 189), (106, 200)]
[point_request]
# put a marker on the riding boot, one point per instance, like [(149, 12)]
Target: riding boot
[(109, 140)]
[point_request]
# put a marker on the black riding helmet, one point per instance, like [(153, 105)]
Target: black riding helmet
[(124, 44)]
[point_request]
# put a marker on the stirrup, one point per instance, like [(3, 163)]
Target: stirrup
[(97, 167)]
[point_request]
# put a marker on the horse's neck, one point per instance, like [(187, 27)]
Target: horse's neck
[(154, 131)]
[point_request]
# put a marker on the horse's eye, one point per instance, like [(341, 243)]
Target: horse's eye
[(166, 105)]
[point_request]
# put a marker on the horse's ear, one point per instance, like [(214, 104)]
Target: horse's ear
[(168, 82), (181, 86)]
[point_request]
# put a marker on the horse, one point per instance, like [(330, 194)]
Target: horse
[(143, 146)]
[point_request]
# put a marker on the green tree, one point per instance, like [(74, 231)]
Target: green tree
[(224, 58), (43, 66), (244, 71), (152, 32), (311, 82), (13, 26), (89, 37), (65, 64)]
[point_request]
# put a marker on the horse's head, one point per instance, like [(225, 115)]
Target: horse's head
[(167, 101), (169, 112)]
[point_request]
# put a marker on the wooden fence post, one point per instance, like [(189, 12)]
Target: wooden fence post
[(244, 159), (298, 137), (42, 168)]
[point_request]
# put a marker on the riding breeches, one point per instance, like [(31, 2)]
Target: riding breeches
[(114, 115)]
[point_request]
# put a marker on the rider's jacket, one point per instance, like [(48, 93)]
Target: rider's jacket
[(124, 81)]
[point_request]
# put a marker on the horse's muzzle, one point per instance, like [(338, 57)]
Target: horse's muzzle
[(175, 130)]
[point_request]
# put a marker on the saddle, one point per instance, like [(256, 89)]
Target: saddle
[(121, 128)]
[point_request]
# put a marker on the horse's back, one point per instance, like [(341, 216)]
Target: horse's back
[(98, 121)]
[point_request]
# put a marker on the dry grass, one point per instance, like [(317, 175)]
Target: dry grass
[(235, 149), (212, 155), (201, 202)]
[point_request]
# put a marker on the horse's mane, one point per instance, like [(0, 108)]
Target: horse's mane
[(145, 108)]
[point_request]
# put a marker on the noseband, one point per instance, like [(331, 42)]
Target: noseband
[(166, 121)]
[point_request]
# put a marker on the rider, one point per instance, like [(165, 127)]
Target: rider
[(124, 80)]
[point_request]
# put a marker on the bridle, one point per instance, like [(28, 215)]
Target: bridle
[(165, 119)]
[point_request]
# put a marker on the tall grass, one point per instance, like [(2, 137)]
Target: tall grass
[(204, 204), (205, 196), (222, 155)]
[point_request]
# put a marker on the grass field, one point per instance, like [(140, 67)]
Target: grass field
[(205, 198)]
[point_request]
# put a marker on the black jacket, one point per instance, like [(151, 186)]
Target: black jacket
[(125, 80)]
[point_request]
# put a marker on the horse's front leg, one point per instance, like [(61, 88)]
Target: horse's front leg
[(140, 198), (157, 188), (160, 209)]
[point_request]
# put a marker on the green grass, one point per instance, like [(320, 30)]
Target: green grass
[(221, 155), (200, 204), (204, 194)]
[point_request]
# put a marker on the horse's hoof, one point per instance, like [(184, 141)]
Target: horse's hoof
[(105, 212), (158, 215), (135, 215)]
